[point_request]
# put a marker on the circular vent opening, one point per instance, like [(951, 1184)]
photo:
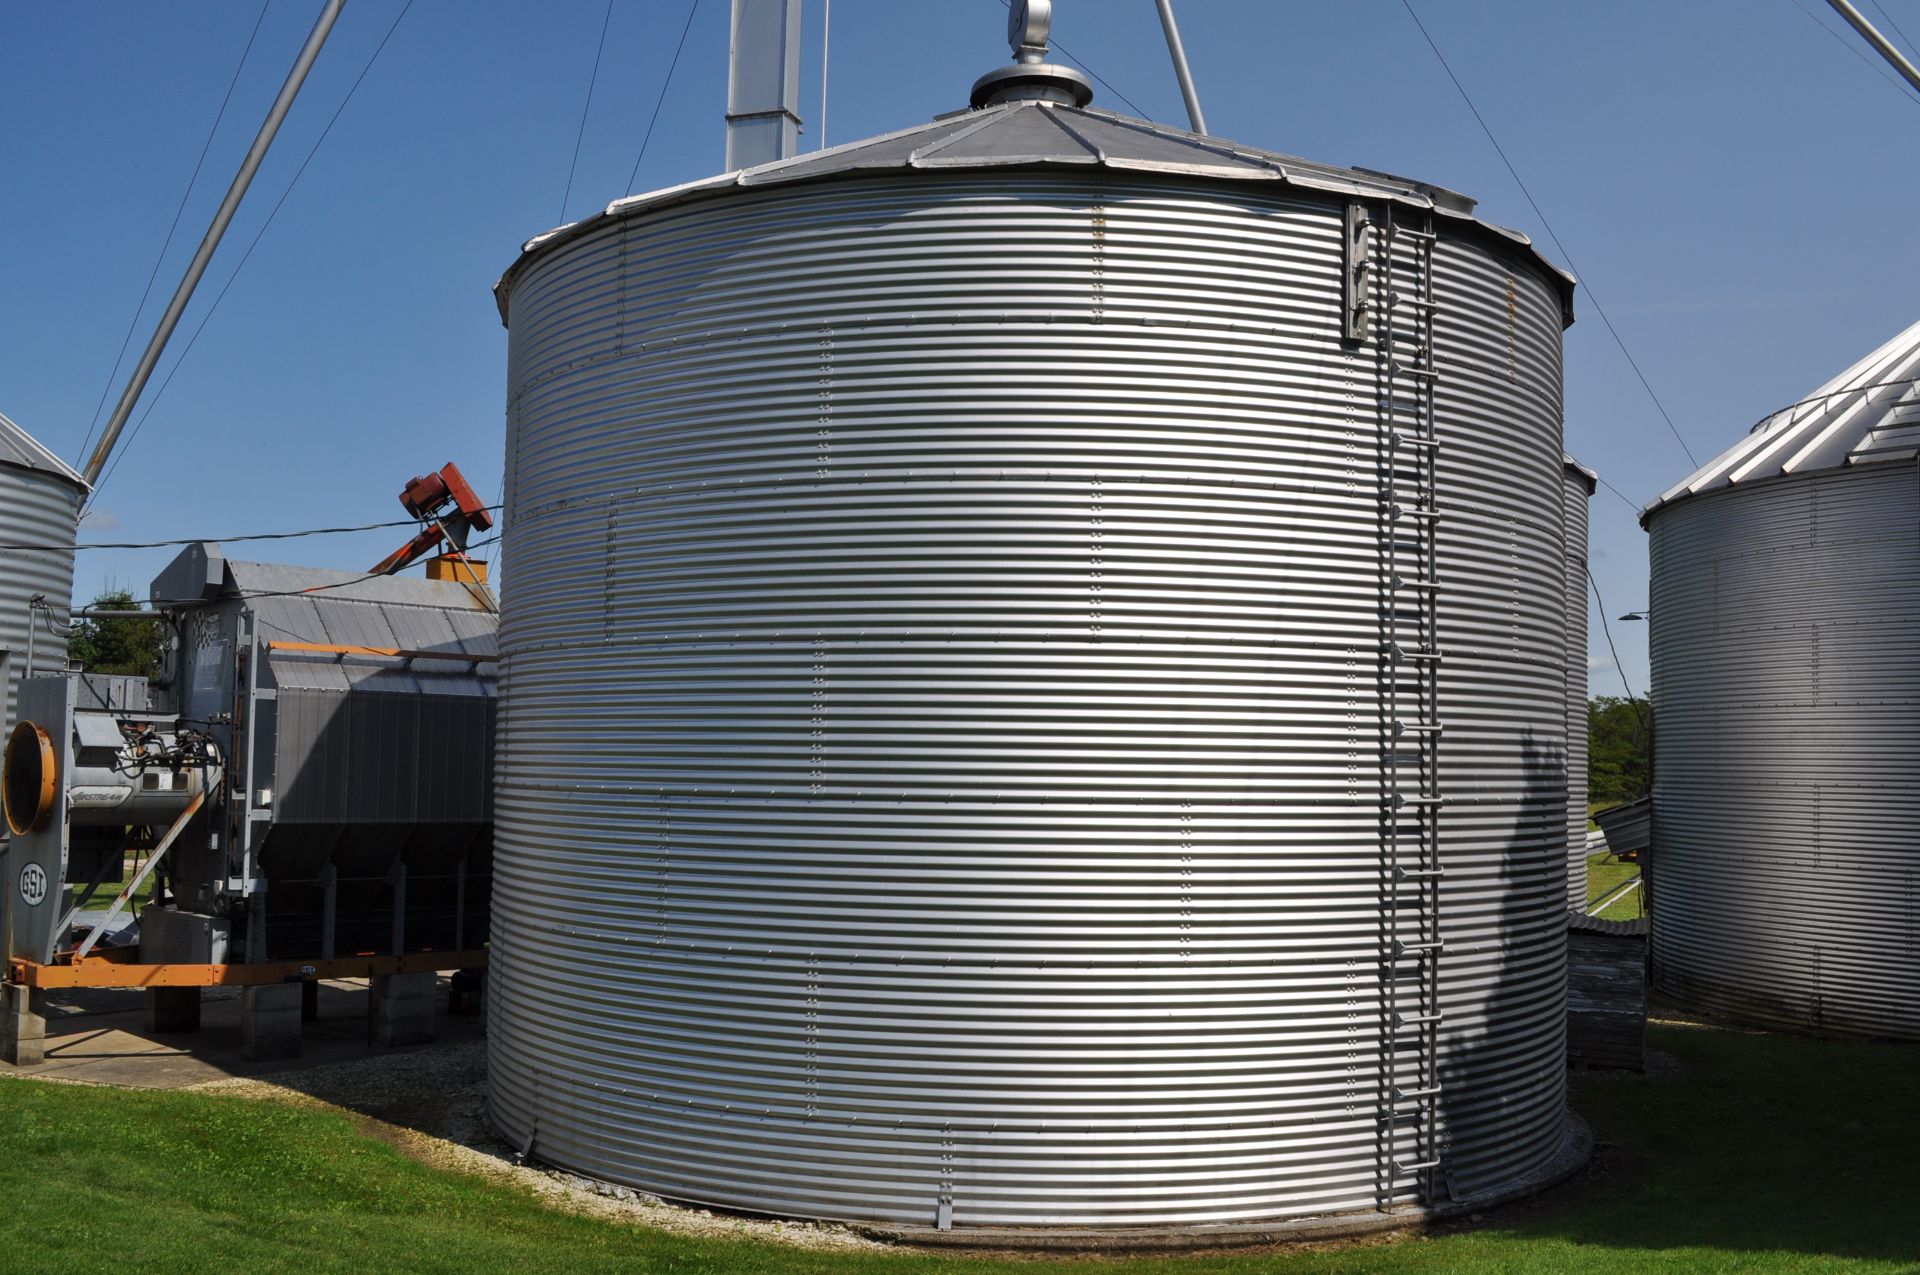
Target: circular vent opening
[(26, 779)]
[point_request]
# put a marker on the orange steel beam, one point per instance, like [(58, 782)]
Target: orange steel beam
[(388, 652), (118, 967)]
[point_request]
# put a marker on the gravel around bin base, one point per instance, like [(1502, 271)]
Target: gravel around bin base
[(430, 1105)]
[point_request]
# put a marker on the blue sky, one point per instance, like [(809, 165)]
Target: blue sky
[(1736, 185)]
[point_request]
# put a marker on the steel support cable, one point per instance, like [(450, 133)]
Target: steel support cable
[(1564, 254), (158, 394), (1626, 499), (1067, 53), (1881, 9), (660, 101), (1878, 68), (161, 257), (585, 108)]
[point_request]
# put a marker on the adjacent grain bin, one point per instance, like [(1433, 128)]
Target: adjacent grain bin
[(1579, 488), (1786, 608), (1035, 687), (39, 511)]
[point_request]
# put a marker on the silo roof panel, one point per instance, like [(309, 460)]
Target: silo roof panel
[(1045, 134), (22, 450), (1867, 414)]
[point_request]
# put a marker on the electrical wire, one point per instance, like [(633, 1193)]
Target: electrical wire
[(1067, 53), (248, 254), (362, 578), (661, 100), (1607, 629), (159, 260), (587, 106), (1879, 69), (228, 540), (1565, 255)]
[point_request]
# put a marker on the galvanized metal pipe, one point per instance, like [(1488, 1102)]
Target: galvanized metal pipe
[(1180, 68), (1896, 59), (763, 82), (211, 240)]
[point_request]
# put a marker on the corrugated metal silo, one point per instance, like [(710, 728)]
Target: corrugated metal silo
[(1786, 607), (970, 627), (1579, 489), (39, 510), (39, 507)]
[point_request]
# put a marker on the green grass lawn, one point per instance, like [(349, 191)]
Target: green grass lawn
[(1755, 1153), (1604, 875)]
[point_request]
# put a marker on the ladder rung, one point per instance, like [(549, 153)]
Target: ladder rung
[(1399, 368), (1430, 1091), (1396, 653), (1396, 510), (1417, 1166), (1402, 728), (1396, 438), (1400, 582), (1424, 945), (1411, 233), (1397, 299), (1397, 801), (1419, 874)]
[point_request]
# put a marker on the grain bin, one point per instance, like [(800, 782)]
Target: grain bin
[(978, 606), (1578, 488), (1786, 606), (39, 511)]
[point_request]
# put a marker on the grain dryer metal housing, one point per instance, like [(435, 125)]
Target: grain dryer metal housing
[(323, 742)]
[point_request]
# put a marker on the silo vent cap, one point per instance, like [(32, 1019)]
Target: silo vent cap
[(1031, 78)]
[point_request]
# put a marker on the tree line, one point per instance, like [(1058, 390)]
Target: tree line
[(1619, 756)]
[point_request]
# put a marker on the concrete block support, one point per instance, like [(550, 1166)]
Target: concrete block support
[(403, 1008), (270, 1022), (173, 1009), (23, 1025)]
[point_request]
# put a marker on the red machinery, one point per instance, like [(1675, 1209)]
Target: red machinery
[(448, 511)]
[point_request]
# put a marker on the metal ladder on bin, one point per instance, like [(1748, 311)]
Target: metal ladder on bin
[(1410, 659)]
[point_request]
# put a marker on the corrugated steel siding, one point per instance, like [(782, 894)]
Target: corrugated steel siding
[(940, 737), (1786, 870), (36, 508), (1578, 493)]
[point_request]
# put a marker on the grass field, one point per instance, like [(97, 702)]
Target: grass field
[(1751, 1153), (1602, 876)]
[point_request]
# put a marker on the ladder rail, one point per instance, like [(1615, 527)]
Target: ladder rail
[(1412, 728)]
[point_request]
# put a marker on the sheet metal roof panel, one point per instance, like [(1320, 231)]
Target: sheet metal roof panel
[(23, 451), (1043, 134), (1867, 414), (393, 612)]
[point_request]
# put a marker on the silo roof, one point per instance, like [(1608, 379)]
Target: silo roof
[(1589, 476), (1033, 134), (1867, 414), (22, 450)]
